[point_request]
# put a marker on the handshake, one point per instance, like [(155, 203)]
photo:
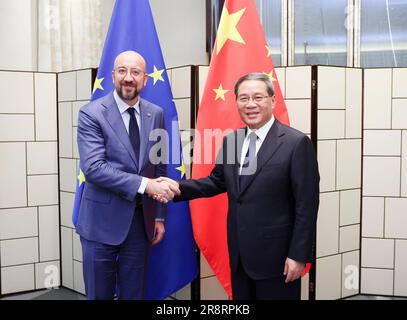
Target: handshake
[(162, 189)]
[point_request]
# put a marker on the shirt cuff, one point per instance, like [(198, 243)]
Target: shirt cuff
[(143, 185), (159, 219)]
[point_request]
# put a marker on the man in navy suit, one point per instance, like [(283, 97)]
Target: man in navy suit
[(118, 220), (270, 174)]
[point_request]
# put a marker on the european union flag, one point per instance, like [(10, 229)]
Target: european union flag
[(172, 263)]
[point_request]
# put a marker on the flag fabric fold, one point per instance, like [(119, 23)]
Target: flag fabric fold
[(172, 263), (240, 48)]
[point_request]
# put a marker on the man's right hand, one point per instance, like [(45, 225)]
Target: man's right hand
[(162, 189)]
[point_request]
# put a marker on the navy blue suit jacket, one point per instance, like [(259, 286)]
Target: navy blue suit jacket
[(113, 174), (273, 215)]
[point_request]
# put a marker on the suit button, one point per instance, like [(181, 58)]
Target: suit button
[(239, 202)]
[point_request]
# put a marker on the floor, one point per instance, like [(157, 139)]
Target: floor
[(66, 294)]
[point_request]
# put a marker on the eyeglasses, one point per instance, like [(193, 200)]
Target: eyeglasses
[(256, 99), (135, 73)]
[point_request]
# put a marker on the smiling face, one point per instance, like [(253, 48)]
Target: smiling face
[(254, 104), (129, 76)]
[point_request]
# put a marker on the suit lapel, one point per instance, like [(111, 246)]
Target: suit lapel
[(146, 126), (271, 144), (113, 116)]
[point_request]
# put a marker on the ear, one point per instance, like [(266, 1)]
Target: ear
[(145, 79)]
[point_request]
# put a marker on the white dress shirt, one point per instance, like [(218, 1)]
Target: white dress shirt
[(261, 134), (123, 106)]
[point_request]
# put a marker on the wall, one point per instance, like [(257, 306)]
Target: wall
[(29, 213), (384, 206)]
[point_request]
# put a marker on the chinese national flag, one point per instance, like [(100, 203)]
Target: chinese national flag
[(240, 48)]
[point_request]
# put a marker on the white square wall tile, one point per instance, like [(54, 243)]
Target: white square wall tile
[(350, 273), (75, 111), (211, 289), (13, 175), (376, 281), (78, 283), (68, 175), (349, 164), (280, 74), (67, 86), (349, 207), (328, 224), (299, 112), (184, 293), (377, 98), (16, 127), (83, 84), (349, 238), (42, 190), (19, 251), (77, 247), (206, 270), (66, 202), (382, 143), (49, 233), (381, 176), (305, 287), (373, 217), (399, 115), (45, 106), (17, 279), (18, 223), (327, 164), (181, 82), (331, 124), (395, 218), (67, 258), (353, 103), (328, 275), (203, 75), (328, 78), (47, 274), (183, 107), (400, 268), (42, 158), (65, 129), (399, 82), (12, 85), (404, 165), (377, 253), (298, 82)]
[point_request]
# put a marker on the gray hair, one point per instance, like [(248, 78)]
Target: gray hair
[(256, 76)]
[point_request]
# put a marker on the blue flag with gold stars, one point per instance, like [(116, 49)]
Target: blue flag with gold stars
[(172, 263)]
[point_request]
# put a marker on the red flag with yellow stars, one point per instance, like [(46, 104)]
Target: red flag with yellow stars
[(240, 48)]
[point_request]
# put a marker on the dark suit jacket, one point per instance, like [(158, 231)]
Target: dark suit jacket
[(273, 215), (113, 174)]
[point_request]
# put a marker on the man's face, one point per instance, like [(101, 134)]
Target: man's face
[(129, 76), (254, 104)]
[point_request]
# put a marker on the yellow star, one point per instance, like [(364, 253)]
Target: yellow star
[(157, 75), (220, 93), (98, 84), (181, 169), (270, 74), (81, 177), (268, 51), (227, 28)]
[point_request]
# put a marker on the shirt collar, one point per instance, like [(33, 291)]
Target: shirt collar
[(123, 106), (262, 132)]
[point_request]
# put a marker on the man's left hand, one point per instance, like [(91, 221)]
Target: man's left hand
[(293, 269), (159, 231)]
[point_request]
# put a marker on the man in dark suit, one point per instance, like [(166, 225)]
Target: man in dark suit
[(270, 174), (117, 220)]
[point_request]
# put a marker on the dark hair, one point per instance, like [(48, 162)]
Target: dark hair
[(256, 76)]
